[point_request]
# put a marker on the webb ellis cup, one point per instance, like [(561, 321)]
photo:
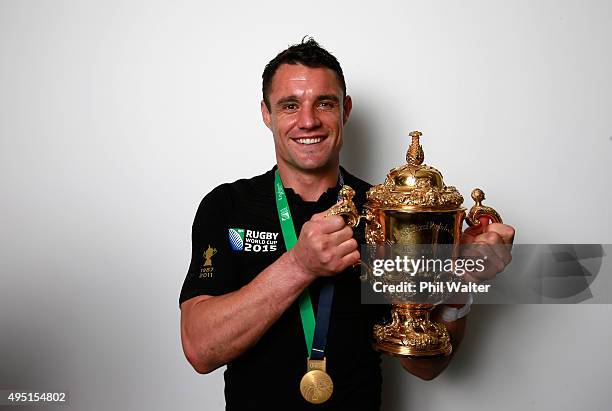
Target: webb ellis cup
[(413, 207)]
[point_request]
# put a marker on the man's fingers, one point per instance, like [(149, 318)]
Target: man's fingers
[(492, 241), (505, 231), (347, 247), (331, 224), (489, 237), (351, 259), (493, 251), (341, 235), (318, 216), (478, 229), (494, 245)]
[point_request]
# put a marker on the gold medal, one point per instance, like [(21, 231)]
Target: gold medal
[(316, 385)]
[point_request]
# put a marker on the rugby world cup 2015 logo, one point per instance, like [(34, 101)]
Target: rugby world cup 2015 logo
[(254, 241), (236, 238)]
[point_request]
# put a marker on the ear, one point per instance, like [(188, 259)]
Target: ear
[(265, 114), (348, 105)]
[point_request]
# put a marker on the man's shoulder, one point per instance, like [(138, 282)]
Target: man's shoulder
[(245, 187)]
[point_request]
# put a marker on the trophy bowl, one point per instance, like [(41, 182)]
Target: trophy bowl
[(413, 207)]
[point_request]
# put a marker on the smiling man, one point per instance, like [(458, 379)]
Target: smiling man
[(271, 291)]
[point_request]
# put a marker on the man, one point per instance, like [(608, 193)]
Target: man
[(242, 304)]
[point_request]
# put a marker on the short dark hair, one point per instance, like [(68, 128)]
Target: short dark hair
[(308, 53)]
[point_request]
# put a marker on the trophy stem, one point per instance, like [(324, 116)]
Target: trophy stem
[(411, 333)]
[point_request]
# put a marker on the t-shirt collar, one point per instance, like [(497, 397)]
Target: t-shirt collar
[(328, 196)]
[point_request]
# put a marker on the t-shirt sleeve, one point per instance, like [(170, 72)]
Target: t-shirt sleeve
[(211, 271)]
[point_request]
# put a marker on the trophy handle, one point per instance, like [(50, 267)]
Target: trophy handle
[(345, 207), (478, 210)]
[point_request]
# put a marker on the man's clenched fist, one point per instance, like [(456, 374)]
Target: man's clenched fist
[(325, 246)]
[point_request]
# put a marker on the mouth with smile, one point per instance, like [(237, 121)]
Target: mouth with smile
[(309, 140)]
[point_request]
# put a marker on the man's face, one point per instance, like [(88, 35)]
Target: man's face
[(307, 114)]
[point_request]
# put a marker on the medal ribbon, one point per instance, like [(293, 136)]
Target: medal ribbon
[(318, 336), (323, 313)]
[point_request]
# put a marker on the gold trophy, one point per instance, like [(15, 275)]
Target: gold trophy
[(413, 206)]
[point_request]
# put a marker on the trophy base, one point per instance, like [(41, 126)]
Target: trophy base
[(411, 334)]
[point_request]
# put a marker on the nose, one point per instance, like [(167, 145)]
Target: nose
[(308, 118)]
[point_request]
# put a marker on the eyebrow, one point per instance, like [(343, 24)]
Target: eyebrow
[(287, 99), (331, 97), (294, 99)]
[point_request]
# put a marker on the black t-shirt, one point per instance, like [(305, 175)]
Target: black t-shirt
[(236, 235)]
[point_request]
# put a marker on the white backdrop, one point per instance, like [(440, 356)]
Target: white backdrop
[(116, 117)]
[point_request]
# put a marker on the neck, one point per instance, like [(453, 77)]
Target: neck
[(309, 185)]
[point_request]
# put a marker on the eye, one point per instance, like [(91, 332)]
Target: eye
[(326, 104), (290, 107)]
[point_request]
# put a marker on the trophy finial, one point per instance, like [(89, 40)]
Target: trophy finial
[(345, 207), (478, 210), (415, 154), (478, 195)]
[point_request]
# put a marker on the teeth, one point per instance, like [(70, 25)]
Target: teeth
[(309, 140)]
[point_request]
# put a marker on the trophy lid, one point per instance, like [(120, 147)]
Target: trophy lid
[(414, 186)]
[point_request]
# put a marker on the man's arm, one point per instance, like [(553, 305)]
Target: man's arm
[(215, 330)]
